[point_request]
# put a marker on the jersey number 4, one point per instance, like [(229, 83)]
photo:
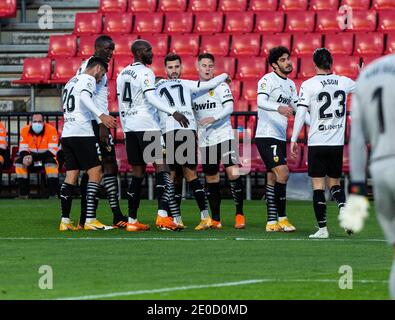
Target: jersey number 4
[(328, 101)]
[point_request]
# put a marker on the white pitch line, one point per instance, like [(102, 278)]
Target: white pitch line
[(191, 239), (215, 285)]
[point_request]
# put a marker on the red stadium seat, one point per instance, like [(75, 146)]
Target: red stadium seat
[(208, 23), (119, 64), (346, 66), (88, 23), (172, 5), (300, 21), (110, 69), (318, 5), (363, 21), (225, 64), (148, 23), (203, 5), (390, 43), (235, 88), (35, 71), (269, 22), (189, 70), (270, 41), (159, 43), (305, 44), (86, 46), (307, 69), (113, 6), (185, 44), (232, 5), (123, 44), (137, 6), (112, 90), (386, 21), (356, 4), (328, 21), (8, 8), (113, 106), (118, 23), (122, 157), (250, 68), (245, 45), (369, 44), (178, 22), (158, 67), (240, 105), (339, 43), (263, 5), (65, 69), (239, 22), (346, 158), (249, 90), (369, 59), (62, 46), (292, 5), (217, 44), (383, 5), (298, 83)]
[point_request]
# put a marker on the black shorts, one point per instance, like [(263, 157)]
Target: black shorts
[(325, 161), (81, 153), (273, 152), (144, 147), (225, 152), (106, 150), (181, 148)]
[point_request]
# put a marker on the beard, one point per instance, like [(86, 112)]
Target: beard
[(286, 71)]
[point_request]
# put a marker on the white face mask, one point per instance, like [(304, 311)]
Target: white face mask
[(37, 127)]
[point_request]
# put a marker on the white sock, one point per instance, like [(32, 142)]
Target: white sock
[(204, 214), (66, 220), (89, 220), (392, 281), (162, 213), (131, 220), (272, 222), (178, 220), (282, 218)]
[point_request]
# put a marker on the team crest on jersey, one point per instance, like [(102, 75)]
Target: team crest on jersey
[(146, 82), (89, 85), (263, 86), (211, 93), (276, 159)]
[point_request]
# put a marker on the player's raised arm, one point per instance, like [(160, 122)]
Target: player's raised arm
[(211, 84)]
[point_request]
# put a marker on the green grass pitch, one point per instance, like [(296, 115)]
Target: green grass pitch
[(212, 264)]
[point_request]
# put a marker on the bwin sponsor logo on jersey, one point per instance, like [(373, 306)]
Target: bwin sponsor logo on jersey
[(283, 100), (204, 106), (323, 127)]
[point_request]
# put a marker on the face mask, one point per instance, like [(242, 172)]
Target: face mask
[(37, 127)]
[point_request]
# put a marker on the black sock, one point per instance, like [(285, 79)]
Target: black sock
[(83, 187), (236, 187), (174, 210), (134, 193), (271, 203), (111, 185), (199, 193), (338, 194), (320, 207), (160, 190), (92, 190), (214, 199), (178, 194), (280, 191), (66, 198)]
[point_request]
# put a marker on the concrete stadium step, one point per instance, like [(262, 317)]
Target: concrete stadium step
[(64, 4), (17, 58), (34, 48), (29, 38)]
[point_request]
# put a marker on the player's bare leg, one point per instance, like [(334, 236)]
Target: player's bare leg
[(319, 203), (280, 192), (236, 187)]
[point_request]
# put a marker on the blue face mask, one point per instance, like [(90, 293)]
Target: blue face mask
[(37, 127)]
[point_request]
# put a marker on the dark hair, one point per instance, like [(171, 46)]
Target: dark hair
[(101, 40), (37, 113), (139, 44), (206, 56), (323, 58), (94, 61), (275, 54), (172, 57)]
